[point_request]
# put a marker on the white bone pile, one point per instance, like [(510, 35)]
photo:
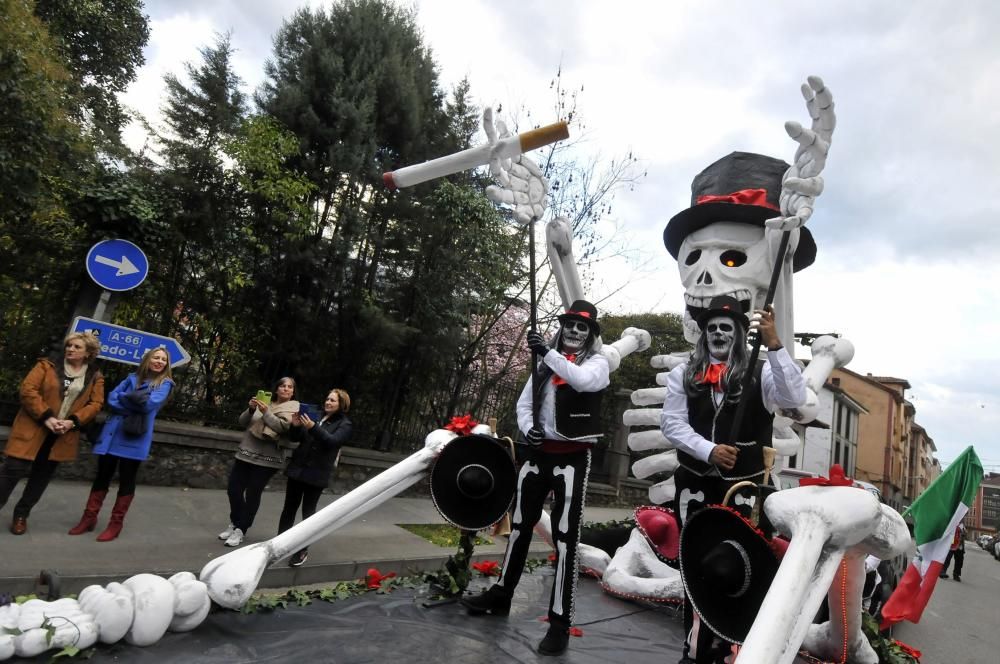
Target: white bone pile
[(140, 610)]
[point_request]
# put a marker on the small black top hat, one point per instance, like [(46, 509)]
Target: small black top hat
[(727, 567), (723, 305), (741, 187), (583, 311)]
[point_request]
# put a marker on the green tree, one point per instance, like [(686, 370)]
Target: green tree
[(44, 156), (101, 42)]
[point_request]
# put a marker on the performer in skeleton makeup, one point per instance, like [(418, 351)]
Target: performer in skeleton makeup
[(557, 458), (697, 417)]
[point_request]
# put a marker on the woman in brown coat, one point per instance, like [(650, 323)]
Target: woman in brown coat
[(58, 396)]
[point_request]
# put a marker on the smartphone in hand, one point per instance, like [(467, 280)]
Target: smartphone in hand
[(264, 396)]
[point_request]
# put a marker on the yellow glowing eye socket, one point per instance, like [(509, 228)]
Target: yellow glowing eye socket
[(733, 258)]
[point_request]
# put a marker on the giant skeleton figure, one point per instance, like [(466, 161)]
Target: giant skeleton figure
[(832, 527)]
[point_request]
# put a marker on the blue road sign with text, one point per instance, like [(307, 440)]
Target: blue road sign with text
[(117, 265), (125, 345)]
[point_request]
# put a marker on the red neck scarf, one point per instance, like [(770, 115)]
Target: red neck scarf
[(556, 378), (712, 375)]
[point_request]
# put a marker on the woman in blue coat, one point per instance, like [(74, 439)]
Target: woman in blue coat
[(125, 440), (313, 460)]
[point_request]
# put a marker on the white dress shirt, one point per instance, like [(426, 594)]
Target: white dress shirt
[(781, 383), (591, 376)]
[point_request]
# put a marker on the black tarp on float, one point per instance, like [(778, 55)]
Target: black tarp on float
[(396, 627)]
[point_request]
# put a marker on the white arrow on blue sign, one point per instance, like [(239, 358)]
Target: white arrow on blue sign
[(125, 345), (117, 265)]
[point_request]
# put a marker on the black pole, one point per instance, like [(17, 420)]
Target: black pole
[(533, 324), (755, 351)]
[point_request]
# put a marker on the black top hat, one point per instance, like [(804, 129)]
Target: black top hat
[(583, 311), (723, 305), (727, 567), (741, 187), (473, 481)]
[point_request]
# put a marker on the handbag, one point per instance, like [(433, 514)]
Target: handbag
[(134, 425)]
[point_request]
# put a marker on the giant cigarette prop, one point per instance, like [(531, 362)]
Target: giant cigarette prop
[(506, 148)]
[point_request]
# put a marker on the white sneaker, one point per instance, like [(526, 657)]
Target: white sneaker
[(227, 533), (236, 538)]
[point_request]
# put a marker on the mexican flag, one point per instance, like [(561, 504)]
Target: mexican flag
[(936, 514)]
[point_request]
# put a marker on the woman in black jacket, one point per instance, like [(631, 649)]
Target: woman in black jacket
[(313, 461)]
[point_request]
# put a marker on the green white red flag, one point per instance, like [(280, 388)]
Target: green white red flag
[(936, 513)]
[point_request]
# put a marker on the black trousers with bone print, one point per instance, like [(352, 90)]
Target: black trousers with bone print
[(565, 475), (694, 492)]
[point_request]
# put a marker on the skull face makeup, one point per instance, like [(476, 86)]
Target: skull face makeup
[(574, 335), (721, 331), (724, 258)]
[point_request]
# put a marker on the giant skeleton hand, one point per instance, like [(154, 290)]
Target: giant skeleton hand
[(522, 184), (802, 182)]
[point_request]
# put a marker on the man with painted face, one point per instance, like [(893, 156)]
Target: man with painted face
[(697, 418), (570, 380)]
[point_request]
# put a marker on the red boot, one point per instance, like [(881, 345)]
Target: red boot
[(89, 518), (117, 519)]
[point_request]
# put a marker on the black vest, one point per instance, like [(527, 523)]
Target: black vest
[(754, 435), (578, 414)]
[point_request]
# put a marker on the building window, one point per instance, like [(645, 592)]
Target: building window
[(845, 436)]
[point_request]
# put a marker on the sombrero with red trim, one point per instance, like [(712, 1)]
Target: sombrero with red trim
[(659, 526), (727, 566)]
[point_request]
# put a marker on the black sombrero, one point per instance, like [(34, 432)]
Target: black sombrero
[(473, 481), (727, 567), (741, 187)]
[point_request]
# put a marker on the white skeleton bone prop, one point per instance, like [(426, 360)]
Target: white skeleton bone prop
[(232, 578), (823, 523), (140, 610)]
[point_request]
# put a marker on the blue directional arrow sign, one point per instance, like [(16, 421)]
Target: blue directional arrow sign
[(125, 345), (117, 265)]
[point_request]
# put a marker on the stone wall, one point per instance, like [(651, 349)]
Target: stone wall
[(200, 457)]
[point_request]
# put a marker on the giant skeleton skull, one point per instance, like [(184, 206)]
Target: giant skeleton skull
[(725, 258)]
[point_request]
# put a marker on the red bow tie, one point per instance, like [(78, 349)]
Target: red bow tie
[(557, 379), (712, 375)]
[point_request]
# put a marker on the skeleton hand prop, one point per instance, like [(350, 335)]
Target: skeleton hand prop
[(522, 184), (802, 182)]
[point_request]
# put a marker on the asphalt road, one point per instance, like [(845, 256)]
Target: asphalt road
[(961, 624)]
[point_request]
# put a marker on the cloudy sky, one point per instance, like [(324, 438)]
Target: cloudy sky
[(907, 264)]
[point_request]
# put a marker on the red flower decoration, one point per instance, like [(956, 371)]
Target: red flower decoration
[(575, 631), (487, 568), (462, 425), (909, 650), (837, 478), (552, 557), (374, 578)]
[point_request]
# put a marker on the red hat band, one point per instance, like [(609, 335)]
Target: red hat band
[(742, 197)]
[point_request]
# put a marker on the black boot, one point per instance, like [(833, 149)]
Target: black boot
[(496, 600), (556, 639)]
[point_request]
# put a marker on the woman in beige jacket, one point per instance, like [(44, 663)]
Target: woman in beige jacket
[(261, 454)]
